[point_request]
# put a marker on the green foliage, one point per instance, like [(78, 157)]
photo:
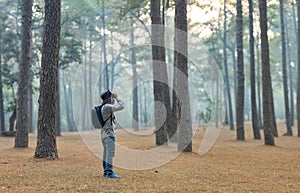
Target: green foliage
[(205, 115), (70, 50)]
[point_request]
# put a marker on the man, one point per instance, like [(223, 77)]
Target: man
[(108, 107)]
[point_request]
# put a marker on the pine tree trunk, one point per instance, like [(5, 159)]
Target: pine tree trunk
[(290, 77), (46, 139), (58, 123), (104, 45), (158, 62), (240, 75), (135, 107), (227, 87), (259, 86), (256, 132), (266, 79), (2, 117), (181, 63), (30, 108), (167, 97), (284, 73), (21, 139), (298, 74)]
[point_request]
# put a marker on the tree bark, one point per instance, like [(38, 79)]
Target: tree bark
[(158, 60), (290, 77), (230, 113), (259, 86), (256, 132), (181, 64), (30, 107), (104, 45), (266, 79), (284, 73), (2, 117), (240, 74), (21, 139), (46, 139), (135, 108), (12, 119), (58, 118), (298, 73)]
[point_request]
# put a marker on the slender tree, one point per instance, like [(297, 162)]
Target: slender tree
[(21, 139), (284, 72), (226, 69), (258, 78), (46, 138), (290, 74), (298, 61), (135, 110), (171, 130), (157, 58), (181, 64), (240, 74), (2, 121), (256, 132), (266, 78), (104, 44)]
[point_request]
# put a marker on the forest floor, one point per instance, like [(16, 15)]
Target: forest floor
[(230, 166)]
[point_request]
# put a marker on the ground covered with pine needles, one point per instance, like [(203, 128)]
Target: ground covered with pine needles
[(230, 166)]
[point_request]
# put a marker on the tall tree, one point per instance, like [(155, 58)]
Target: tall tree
[(298, 61), (181, 64), (226, 69), (284, 72), (104, 43), (158, 61), (46, 139), (135, 110), (171, 130), (255, 126), (266, 79), (290, 73), (258, 84), (240, 74), (2, 121), (21, 139)]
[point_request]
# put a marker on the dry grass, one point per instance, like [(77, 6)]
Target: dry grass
[(230, 166)]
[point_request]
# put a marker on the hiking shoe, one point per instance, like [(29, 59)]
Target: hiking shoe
[(112, 175)]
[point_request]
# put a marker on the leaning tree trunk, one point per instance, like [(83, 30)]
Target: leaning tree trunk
[(266, 78), (298, 74), (255, 126), (46, 139), (284, 73), (21, 139), (240, 75)]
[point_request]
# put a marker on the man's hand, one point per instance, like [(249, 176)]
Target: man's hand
[(114, 95)]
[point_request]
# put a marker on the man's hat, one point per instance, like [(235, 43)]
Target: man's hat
[(106, 96)]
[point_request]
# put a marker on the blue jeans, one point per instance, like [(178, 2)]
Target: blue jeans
[(108, 154)]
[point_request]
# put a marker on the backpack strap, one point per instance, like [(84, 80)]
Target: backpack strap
[(99, 115)]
